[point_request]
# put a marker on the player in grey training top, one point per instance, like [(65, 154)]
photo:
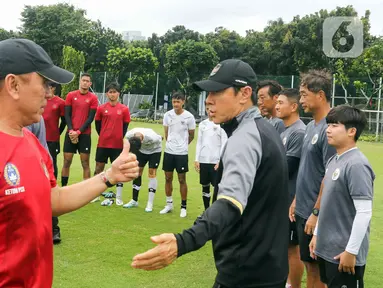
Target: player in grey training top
[(267, 92), (315, 91), (343, 229), (292, 138)]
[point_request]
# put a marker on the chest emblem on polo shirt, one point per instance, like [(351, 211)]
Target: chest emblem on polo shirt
[(119, 112), (75, 98), (106, 111), (54, 106), (335, 174), (284, 140), (44, 168), (314, 139), (87, 100), (11, 175)]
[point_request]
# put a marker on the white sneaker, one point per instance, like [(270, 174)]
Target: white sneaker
[(149, 208), (95, 199), (131, 204), (168, 208), (183, 213), (119, 202)]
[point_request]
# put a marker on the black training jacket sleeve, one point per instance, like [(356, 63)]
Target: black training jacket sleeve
[(88, 121), (62, 124), (209, 225), (125, 127), (68, 117), (98, 126), (293, 163)]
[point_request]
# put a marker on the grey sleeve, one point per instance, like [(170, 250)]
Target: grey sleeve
[(327, 149), (294, 146), (280, 126), (241, 159), (360, 181), (38, 129)]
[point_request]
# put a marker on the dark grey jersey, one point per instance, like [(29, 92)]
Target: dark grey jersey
[(278, 124)]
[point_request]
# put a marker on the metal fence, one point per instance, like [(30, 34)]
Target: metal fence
[(133, 101)]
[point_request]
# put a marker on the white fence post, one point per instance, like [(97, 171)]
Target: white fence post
[(333, 91), (378, 115), (292, 81)]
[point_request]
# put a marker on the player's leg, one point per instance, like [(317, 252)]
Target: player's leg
[(54, 149), (205, 183), (113, 155), (101, 160), (295, 264), (182, 167), (168, 165), (84, 147), (154, 161), (311, 265), (136, 185), (69, 150)]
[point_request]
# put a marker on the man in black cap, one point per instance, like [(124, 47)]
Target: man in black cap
[(29, 194), (249, 217)]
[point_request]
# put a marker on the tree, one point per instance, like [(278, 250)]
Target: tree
[(4, 34), (139, 61), (180, 32), (53, 26), (188, 61), (73, 61)]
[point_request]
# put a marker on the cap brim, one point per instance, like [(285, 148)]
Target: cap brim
[(210, 86), (57, 75)]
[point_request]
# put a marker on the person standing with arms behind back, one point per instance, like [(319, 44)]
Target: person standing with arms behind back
[(80, 109), (210, 143), (112, 121), (179, 127), (53, 112), (315, 91), (292, 138), (342, 234)]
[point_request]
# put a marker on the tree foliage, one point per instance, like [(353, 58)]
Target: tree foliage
[(73, 61)]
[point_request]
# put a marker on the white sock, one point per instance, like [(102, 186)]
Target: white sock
[(119, 190), (152, 190), (169, 200)]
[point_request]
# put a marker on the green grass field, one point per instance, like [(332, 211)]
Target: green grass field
[(98, 242)]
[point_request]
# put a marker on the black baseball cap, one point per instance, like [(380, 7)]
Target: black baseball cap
[(23, 56), (228, 73)]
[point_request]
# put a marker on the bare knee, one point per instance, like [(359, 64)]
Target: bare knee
[(85, 164), (153, 173), (99, 168), (312, 268), (182, 179), (67, 162)]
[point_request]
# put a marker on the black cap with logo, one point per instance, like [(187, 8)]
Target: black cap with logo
[(23, 56), (228, 73)]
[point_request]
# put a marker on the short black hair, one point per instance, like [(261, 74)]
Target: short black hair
[(114, 86), (274, 87), (292, 94), (317, 80), (253, 94), (86, 75), (178, 95), (349, 116)]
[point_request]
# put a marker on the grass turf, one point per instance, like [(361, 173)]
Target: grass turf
[(98, 242)]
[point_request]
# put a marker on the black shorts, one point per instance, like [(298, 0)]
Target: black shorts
[(330, 275), (303, 240), (83, 145), (178, 162), (103, 154), (293, 234), (54, 148), (153, 159), (207, 174)]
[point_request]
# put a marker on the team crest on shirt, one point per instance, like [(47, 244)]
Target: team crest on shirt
[(314, 139), (335, 174), (44, 168), (87, 100), (182, 122), (11, 175), (119, 112), (106, 111), (54, 106), (284, 140), (75, 98)]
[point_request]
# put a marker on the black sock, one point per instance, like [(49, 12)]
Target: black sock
[(64, 181), (136, 187), (206, 196), (183, 204)]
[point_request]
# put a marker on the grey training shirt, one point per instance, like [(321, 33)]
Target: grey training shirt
[(292, 139), (315, 153), (38, 129), (278, 124), (348, 177)]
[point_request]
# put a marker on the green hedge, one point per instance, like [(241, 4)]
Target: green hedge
[(367, 138)]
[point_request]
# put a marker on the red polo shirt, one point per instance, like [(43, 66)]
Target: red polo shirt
[(112, 121), (26, 180), (52, 112)]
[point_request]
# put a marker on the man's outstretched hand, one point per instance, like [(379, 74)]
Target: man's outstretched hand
[(160, 256), (125, 167)]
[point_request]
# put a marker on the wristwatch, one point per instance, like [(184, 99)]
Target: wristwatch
[(315, 211), (105, 179)]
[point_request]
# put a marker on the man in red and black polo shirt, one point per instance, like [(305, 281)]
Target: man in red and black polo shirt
[(29, 194), (80, 109), (112, 121), (53, 112)]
